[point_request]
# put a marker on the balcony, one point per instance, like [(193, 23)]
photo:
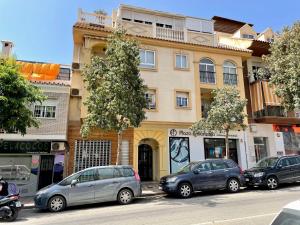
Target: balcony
[(171, 34), (94, 19)]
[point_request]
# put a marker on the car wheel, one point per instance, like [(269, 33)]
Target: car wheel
[(185, 190), (125, 196), (272, 183), (233, 185), (56, 204)]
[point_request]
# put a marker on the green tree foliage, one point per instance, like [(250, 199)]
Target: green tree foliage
[(16, 95), (226, 113), (283, 66), (116, 92)]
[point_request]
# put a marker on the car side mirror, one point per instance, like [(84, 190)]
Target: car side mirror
[(73, 183), (196, 171)]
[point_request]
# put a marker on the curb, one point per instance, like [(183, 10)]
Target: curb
[(31, 205)]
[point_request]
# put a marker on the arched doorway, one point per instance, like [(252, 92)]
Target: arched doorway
[(145, 162)]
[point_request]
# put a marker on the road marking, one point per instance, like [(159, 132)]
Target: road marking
[(235, 219)]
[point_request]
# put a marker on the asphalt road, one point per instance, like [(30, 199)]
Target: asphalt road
[(256, 207)]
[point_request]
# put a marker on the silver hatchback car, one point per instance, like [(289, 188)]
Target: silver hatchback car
[(92, 185)]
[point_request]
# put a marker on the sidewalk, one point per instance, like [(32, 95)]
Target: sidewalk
[(148, 189)]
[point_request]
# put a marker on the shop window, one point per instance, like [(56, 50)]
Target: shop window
[(181, 61), (91, 153), (260, 148), (215, 148), (147, 58)]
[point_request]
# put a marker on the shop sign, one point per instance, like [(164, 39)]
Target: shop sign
[(7, 147), (179, 132)]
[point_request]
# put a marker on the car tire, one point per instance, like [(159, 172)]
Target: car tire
[(184, 190), (56, 203), (272, 183), (125, 196), (233, 185)]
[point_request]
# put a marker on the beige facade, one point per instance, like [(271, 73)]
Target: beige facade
[(174, 77)]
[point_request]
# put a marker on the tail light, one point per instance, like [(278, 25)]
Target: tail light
[(137, 176)]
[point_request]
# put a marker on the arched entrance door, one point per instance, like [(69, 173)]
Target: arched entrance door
[(145, 160)]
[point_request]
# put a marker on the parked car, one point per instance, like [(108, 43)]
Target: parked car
[(204, 175), (95, 184), (272, 171), (289, 215)]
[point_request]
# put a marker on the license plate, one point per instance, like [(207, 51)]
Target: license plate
[(18, 204), (246, 179)]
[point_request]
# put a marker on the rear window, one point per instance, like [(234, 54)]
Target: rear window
[(231, 164), (127, 172), (285, 218)]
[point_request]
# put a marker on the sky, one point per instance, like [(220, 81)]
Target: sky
[(42, 29)]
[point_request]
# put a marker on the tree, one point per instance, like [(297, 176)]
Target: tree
[(226, 113), (282, 66), (116, 92), (16, 95)]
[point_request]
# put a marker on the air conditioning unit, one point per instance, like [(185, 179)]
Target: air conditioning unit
[(75, 92), (58, 146), (75, 66)]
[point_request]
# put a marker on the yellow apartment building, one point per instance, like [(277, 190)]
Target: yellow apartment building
[(272, 132), (181, 63)]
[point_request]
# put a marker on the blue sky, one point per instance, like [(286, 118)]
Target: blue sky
[(42, 29)]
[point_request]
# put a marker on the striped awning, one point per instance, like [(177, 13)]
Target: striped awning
[(269, 94), (256, 97)]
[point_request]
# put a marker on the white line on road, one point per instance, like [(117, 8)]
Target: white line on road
[(235, 219)]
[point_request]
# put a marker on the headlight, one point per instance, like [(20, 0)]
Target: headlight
[(171, 179), (260, 174)]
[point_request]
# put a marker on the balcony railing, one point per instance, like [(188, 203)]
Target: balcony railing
[(94, 18), (207, 77), (276, 111), (171, 34), (230, 78)]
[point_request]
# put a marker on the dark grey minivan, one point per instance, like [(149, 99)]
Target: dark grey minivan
[(211, 174), (92, 185)]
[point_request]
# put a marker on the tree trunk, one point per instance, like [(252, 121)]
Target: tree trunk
[(227, 144), (119, 146)]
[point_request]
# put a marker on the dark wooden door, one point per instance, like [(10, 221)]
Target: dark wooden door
[(145, 162), (46, 171)]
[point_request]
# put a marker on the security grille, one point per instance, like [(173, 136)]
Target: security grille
[(91, 153)]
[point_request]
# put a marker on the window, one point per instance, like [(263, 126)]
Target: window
[(91, 153), (41, 111), (168, 26), (147, 58), (151, 99), (87, 176), (126, 19), (138, 21), (248, 36), (260, 147), (127, 172), (105, 173), (255, 72), (229, 73), (181, 61), (182, 99), (270, 39), (219, 165), (148, 22), (207, 71), (159, 25), (202, 167)]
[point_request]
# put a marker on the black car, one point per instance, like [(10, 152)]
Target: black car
[(210, 174), (272, 171)]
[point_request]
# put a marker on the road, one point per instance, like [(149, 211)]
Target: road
[(256, 207)]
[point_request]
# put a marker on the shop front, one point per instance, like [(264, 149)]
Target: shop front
[(185, 148), (291, 138), (30, 164)]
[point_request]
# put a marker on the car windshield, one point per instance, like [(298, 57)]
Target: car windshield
[(68, 180), (266, 162), (189, 167)]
